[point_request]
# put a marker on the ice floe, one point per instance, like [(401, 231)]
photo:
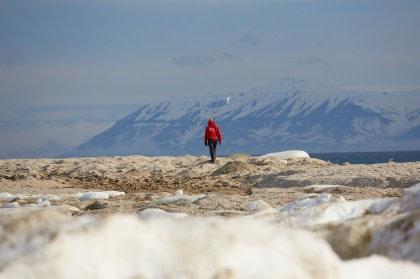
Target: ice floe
[(188, 248)]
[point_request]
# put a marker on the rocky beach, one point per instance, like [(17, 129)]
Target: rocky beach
[(185, 217)]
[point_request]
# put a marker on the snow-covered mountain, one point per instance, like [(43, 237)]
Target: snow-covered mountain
[(257, 122)]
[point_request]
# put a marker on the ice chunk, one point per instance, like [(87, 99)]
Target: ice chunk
[(66, 207), (6, 196), (398, 238), (307, 201), (51, 197), (181, 199), (258, 205), (260, 208), (342, 211), (11, 205), (114, 193), (43, 203), (94, 196), (323, 209), (287, 154), (320, 187), (159, 213), (381, 205), (189, 248), (411, 197)]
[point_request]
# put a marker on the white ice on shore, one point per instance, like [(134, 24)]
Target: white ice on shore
[(190, 248), (309, 201), (94, 196), (411, 197), (65, 207), (51, 197), (43, 203), (322, 209), (260, 208), (11, 205), (149, 213), (180, 198), (30, 205), (316, 209), (320, 186), (102, 195), (114, 193), (6, 196), (287, 154)]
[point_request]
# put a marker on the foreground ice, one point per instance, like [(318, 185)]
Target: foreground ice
[(264, 242), (127, 247)]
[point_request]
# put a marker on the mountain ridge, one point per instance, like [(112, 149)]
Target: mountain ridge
[(262, 122)]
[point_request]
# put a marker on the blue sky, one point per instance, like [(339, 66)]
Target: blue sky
[(70, 68)]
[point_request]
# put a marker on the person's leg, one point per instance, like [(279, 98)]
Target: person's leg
[(212, 149)]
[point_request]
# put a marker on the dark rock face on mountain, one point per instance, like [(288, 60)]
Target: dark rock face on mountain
[(257, 123)]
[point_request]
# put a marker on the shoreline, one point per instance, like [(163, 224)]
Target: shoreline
[(236, 180)]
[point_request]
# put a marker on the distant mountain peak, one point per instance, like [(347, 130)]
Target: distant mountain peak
[(265, 121)]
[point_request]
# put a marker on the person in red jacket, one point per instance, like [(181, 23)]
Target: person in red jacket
[(211, 137)]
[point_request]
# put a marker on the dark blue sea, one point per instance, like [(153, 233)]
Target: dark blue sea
[(368, 157)]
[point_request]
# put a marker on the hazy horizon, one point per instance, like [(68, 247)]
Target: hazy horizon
[(69, 69)]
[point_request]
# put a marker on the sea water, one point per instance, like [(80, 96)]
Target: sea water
[(368, 157)]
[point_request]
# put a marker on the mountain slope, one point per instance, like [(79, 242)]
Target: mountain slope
[(256, 123)]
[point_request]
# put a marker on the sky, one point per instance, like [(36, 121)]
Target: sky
[(69, 69)]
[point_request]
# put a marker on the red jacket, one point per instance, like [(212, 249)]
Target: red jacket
[(212, 132)]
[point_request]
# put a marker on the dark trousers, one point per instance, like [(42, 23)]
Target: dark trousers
[(212, 145)]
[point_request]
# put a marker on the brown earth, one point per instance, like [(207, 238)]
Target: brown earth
[(230, 183)]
